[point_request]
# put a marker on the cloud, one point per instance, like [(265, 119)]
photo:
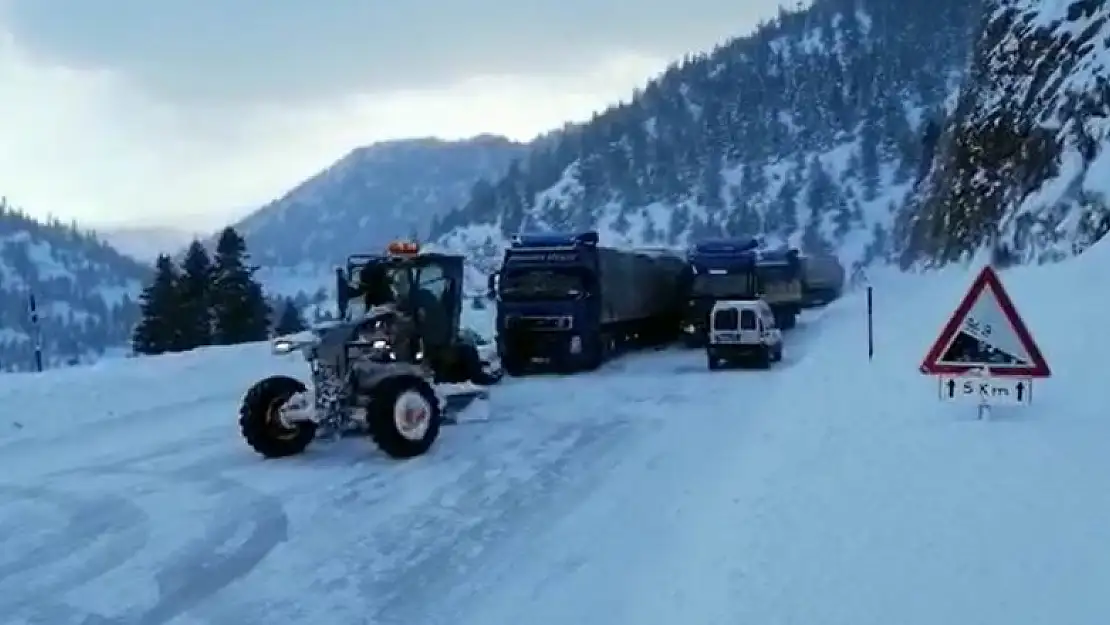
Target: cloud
[(189, 112), (95, 146), (250, 49)]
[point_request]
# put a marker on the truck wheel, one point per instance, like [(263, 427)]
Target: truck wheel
[(472, 369), (404, 417), (789, 321), (258, 418), (603, 351), (513, 367)]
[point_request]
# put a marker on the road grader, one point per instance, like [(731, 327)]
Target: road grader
[(361, 380)]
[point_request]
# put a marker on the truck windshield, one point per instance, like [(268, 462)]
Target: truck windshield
[(534, 284), (722, 286)]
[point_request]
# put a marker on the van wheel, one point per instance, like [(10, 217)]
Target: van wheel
[(713, 363), (763, 360)]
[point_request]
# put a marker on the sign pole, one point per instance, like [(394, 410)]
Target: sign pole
[(984, 411)]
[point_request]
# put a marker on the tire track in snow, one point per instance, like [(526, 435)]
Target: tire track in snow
[(251, 524), (447, 589), (103, 531), (503, 495)]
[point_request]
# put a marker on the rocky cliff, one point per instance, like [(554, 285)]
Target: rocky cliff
[(1021, 165)]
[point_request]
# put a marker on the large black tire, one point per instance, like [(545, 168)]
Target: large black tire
[(473, 367), (513, 365), (764, 358), (386, 428), (788, 320), (258, 421)]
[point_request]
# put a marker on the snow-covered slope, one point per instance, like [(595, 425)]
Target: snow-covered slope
[(828, 490), (85, 291), (811, 129), (1023, 163), (374, 194)]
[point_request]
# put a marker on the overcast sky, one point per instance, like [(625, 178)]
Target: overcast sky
[(188, 112)]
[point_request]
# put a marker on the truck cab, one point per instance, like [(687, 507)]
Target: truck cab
[(743, 330), (716, 270), (547, 305), (781, 284)]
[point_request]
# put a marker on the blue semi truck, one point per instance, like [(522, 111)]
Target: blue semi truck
[(780, 276), (737, 269), (566, 303), (822, 279)]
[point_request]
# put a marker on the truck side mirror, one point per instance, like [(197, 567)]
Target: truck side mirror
[(342, 292)]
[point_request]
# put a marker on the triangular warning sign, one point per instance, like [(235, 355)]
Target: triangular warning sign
[(986, 331)]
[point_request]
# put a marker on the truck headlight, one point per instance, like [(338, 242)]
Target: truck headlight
[(576, 345), (689, 328)]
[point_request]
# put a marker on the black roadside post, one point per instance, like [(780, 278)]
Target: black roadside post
[(870, 324), (36, 330)]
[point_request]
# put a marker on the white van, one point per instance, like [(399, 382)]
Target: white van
[(743, 330)]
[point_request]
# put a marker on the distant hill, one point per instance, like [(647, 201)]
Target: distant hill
[(86, 291), (374, 194)]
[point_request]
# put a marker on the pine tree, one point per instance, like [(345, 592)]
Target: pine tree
[(290, 321), (158, 331), (195, 292), (239, 309)]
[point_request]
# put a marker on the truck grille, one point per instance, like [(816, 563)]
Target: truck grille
[(541, 324)]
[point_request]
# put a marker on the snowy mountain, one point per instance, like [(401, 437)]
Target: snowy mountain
[(372, 195), (85, 292), (146, 243), (1022, 164), (808, 130)]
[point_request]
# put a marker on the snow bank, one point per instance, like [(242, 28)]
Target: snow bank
[(66, 399), (924, 514)]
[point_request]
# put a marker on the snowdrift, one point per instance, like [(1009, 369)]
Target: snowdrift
[(128, 389)]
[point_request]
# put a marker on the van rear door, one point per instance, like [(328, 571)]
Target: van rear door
[(726, 326), (750, 331)]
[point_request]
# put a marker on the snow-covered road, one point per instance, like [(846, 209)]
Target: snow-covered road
[(828, 490), (151, 510)]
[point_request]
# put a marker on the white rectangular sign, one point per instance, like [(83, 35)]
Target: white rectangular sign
[(977, 390)]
